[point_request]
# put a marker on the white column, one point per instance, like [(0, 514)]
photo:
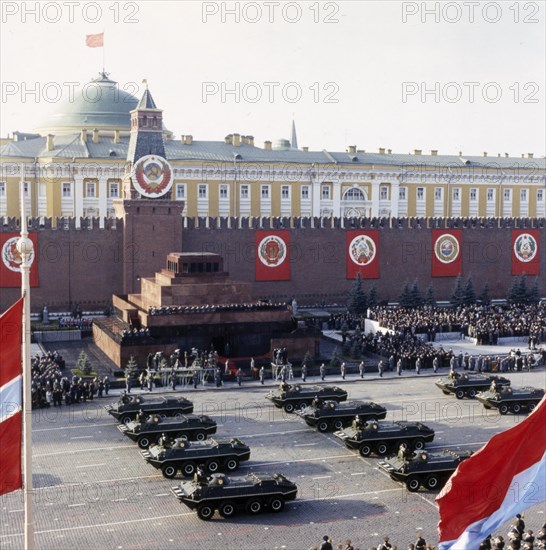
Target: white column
[(316, 196), (78, 199), (375, 199), (103, 200), (336, 198), (395, 189)]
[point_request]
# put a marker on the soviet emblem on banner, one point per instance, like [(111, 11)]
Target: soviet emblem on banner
[(362, 250), (272, 251), (11, 257), (446, 248), (525, 247), (153, 176)]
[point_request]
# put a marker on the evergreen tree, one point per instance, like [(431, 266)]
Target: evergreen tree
[(533, 296), (484, 296), (405, 296), (430, 299), (457, 298), (357, 302), (131, 369), (523, 292), (307, 360), (83, 364), (346, 348), (372, 298), (335, 361), (518, 291), (356, 349), (469, 296), (415, 295)]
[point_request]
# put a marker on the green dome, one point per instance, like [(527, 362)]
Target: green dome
[(99, 104)]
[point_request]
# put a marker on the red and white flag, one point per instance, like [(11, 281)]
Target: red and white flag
[(11, 260), (362, 251), (506, 476), (446, 253), (11, 398), (272, 255), (525, 252), (94, 40)]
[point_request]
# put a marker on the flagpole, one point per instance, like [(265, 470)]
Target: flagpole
[(24, 247)]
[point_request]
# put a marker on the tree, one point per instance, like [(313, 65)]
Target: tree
[(415, 295), (457, 298), (335, 361), (533, 296), (430, 299), (518, 291), (307, 360), (357, 302), (484, 297), (83, 364), (131, 369), (523, 292), (469, 295), (356, 349), (405, 296), (372, 298)]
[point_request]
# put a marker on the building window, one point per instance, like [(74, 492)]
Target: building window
[(67, 190), (223, 191), (244, 191), (507, 194), (523, 195), (26, 188), (180, 191), (383, 193), (304, 192), (285, 192), (325, 192), (2, 189), (265, 192), (457, 194), (420, 193), (473, 194), (438, 194), (540, 195), (354, 194), (490, 195), (90, 189), (113, 190), (402, 193), (202, 191)]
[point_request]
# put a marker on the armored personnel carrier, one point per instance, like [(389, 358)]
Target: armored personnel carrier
[(176, 455), (254, 493), (383, 438), (327, 415), (295, 396), (469, 383), (129, 406), (430, 470), (193, 427), (508, 399)]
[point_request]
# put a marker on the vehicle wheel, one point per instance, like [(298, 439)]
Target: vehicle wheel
[(212, 466), (371, 418), (418, 444), (365, 449), (232, 464), (516, 408), (432, 482), (532, 406), (205, 511), (189, 468), (288, 407), (301, 405), (178, 415), (182, 436), (254, 506), (472, 392), (125, 419), (459, 394), (162, 416), (200, 436), (276, 504), (144, 442), (169, 471), (322, 426), (503, 409), (338, 424), (382, 448), (413, 484), (227, 509)]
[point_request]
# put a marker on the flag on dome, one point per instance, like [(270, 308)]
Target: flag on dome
[(494, 485), (94, 40), (11, 398)]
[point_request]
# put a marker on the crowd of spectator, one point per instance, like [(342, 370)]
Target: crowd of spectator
[(177, 310), (83, 323), (129, 335)]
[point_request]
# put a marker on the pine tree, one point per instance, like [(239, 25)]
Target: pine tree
[(131, 370), (405, 296), (457, 298), (484, 296), (357, 302), (415, 295), (533, 296), (356, 349), (518, 291), (372, 298), (523, 292), (469, 296), (83, 364), (307, 360), (430, 299), (335, 361)]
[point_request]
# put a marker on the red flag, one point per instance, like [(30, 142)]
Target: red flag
[(94, 40), (362, 254), (11, 397), (525, 252), (272, 255), (503, 478), (446, 253), (10, 265)]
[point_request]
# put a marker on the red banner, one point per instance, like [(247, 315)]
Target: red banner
[(11, 384), (272, 255), (362, 254), (525, 252), (447, 258), (10, 266)]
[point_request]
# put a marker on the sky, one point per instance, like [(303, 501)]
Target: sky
[(450, 76)]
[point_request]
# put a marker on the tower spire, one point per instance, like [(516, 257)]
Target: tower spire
[(293, 139)]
